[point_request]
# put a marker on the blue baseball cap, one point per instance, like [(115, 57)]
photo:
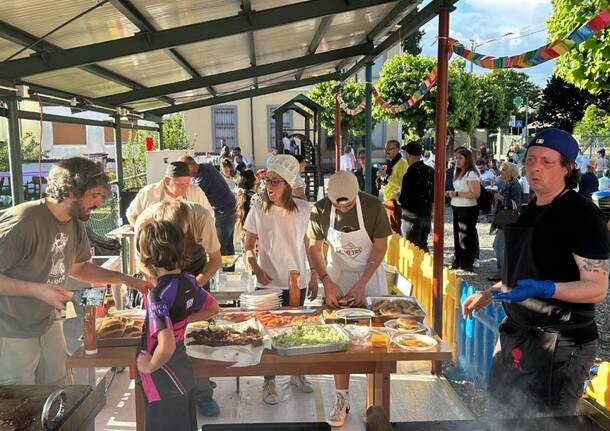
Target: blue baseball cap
[(558, 140)]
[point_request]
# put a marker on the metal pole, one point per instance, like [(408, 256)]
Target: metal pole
[(337, 129), (439, 176), (253, 155), (118, 158), (368, 127), (14, 150), (161, 146), (526, 131), (472, 48)]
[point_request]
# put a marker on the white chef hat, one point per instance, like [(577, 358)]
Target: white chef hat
[(286, 166)]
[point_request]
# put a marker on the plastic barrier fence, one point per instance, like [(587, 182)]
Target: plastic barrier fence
[(476, 339)]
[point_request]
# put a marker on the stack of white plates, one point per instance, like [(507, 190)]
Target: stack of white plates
[(261, 300)]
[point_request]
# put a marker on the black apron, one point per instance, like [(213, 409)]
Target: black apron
[(520, 379)]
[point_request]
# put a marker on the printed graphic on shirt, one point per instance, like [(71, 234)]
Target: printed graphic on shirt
[(58, 266), (350, 250)]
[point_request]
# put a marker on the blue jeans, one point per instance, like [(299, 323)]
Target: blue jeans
[(417, 229), (499, 250), (225, 225)]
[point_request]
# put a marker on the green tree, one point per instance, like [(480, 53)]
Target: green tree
[(403, 74), (491, 106), (515, 84), (595, 122), (174, 134), (30, 151), (353, 93), (588, 65)]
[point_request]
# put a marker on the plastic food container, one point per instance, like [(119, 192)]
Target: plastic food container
[(311, 348)]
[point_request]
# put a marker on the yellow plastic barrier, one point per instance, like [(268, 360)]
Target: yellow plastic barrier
[(416, 266), (599, 386)]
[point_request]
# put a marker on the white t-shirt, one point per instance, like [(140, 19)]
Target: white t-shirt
[(153, 193), (286, 143), (281, 237), (346, 163), (525, 185), (299, 182), (461, 185), (488, 178)]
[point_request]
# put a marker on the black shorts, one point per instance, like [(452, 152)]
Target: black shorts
[(172, 414)]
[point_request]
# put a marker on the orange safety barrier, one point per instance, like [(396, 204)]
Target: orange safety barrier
[(415, 265)]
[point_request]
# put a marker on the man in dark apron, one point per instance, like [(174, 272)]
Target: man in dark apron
[(556, 269)]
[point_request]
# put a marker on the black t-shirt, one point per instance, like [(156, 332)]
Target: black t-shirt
[(417, 192), (574, 225)]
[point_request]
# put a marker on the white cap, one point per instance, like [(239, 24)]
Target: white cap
[(286, 166), (342, 187)]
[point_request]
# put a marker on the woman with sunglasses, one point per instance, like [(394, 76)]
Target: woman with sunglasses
[(278, 226)]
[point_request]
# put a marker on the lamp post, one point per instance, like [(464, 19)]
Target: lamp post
[(475, 44)]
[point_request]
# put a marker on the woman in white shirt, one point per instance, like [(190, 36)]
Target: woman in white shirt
[(467, 189), (347, 161), (229, 174), (278, 223)]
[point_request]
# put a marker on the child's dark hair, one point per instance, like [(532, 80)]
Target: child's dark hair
[(161, 245)]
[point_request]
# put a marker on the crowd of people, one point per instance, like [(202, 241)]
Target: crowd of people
[(549, 273)]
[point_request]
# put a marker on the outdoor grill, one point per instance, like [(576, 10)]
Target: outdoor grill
[(564, 423), (45, 408)]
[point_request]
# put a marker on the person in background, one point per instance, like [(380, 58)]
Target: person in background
[(239, 163), (176, 185), (346, 162), (467, 189), (165, 372), (601, 163), (298, 190), (224, 149), (277, 227), (391, 176), (42, 242), (488, 180), (355, 227), (510, 193), (360, 175), (228, 173), (484, 153), (582, 161), (416, 198), (245, 160), (222, 199), (449, 175), (286, 143), (555, 271), (246, 195), (525, 186), (588, 182), (429, 159), (604, 181)]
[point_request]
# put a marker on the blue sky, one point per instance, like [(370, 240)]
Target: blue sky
[(482, 20)]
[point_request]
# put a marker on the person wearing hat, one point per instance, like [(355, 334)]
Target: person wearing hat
[(355, 226), (175, 185), (391, 177), (556, 270), (416, 197), (276, 226)]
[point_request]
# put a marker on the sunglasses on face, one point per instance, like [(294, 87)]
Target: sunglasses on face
[(273, 181)]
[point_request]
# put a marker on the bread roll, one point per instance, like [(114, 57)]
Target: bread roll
[(112, 331), (132, 331)]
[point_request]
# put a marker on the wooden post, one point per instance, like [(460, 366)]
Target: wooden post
[(439, 173), (368, 127)]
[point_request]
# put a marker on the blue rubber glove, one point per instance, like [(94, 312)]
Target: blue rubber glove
[(526, 289)]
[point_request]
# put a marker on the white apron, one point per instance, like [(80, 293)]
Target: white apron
[(348, 255)]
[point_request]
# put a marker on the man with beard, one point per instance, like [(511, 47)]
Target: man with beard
[(43, 242)]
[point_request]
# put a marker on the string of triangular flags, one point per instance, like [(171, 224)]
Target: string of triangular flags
[(527, 59)]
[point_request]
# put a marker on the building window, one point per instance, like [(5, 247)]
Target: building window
[(224, 126), (109, 134), (69, 134), (287, 117)]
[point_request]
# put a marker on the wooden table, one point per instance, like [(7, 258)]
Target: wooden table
[(378, 363)]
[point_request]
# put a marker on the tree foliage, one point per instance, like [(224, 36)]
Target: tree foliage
[(30, 150), (595, 122), (353, 93), (563, 104), (403, 74), (515, 84), (492, 108), (174, 133), (588, 65)]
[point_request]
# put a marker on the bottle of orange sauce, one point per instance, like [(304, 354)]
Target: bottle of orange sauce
[(294, 293)]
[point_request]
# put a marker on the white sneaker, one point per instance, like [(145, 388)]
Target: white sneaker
[(270, 393), (302, 383), (340, 409), (476, 263)]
